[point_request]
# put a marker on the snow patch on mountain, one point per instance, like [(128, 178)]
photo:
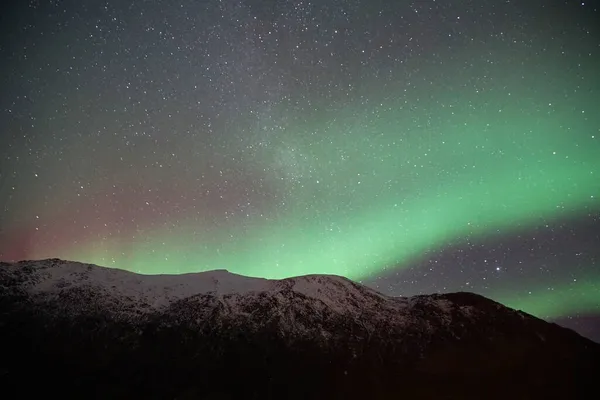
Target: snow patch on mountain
[(48, 278), (337, 292), (52, 276), (80, 288)]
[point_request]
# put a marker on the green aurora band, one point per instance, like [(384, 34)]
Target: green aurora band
[(581, 296), (369, 188)]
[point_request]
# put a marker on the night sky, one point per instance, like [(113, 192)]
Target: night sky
[(414, 146)]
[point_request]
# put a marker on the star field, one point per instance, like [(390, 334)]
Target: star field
[(415, 147)]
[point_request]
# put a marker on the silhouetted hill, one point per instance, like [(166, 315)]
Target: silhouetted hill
[(74, 330)]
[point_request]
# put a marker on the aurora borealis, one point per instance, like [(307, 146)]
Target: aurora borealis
[(412, 146)]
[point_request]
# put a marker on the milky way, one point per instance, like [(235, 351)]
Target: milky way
[(416, 147)]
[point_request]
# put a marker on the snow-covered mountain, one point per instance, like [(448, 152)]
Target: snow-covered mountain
[(47, 279), (122, 335)]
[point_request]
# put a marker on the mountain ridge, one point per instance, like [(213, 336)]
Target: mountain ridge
[(332, 336)]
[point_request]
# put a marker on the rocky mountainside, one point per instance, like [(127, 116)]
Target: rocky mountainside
[(82, 331)]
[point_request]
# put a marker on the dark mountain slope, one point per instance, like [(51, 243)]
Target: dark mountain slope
[(83, 331)]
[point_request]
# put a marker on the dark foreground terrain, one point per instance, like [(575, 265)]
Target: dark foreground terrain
[(71, 330)]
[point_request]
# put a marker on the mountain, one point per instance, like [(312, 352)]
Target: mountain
[(82, 331)]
